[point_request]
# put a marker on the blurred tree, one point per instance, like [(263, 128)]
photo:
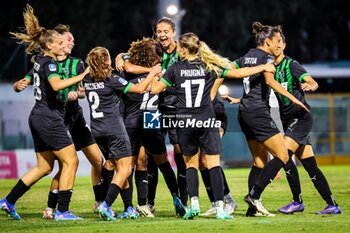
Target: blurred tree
[(315, 30)]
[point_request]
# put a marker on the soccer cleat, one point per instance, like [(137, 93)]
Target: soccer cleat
[(258, 206), (49, 213), (210, 211), (123, 214), (179, 208), (191, 213), (106, 212), (230, 206), (330, 209), (292, 207), (66, 216), (10, 209), (95, 207), (132, 213), (152, 208), (145, 211), (222, 214)]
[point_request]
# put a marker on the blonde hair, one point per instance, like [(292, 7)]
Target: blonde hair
[(35, 36), (213, 62), (99, 61)]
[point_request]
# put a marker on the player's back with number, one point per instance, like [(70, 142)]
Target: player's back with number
[(256, 92), (104, 103), (192, 84)]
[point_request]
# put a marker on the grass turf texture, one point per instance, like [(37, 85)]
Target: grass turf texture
[(277, 194)]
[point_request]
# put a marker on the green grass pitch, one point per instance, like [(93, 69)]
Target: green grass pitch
[(277, 194)]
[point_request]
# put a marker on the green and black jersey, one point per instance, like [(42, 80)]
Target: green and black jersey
[(289, 73), (168, 99), (68, 68)]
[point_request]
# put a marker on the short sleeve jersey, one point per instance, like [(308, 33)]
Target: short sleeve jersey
[(290, 74), (68, 68), (168, 98), (192, 86), (104, 100), (47, 101), (135, 103), (256, 92)]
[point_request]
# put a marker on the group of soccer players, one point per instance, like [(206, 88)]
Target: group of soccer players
[(176, 78)]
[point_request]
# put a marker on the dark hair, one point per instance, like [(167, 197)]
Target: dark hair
[(61, 28), (164, 20), (143, 52), (262, 32), (159, 49)]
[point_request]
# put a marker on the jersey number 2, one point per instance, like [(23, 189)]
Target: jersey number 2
[(95, 100)]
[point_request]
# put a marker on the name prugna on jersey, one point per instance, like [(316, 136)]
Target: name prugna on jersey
[(193, 72)]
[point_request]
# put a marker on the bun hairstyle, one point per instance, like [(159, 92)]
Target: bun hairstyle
[(33, 35), (262, 32)]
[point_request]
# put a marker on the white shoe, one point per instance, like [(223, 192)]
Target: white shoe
[(49, 213), (145, 211), (257, 204), (230, 206), (152, 208)]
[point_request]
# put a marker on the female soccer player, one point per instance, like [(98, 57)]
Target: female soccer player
[(254, 117), (165, 32), (102, 89), (193, 78), (46, 120), (74, 119), (297, 125)]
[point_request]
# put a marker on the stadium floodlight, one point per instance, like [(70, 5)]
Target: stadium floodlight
[(172, 9)]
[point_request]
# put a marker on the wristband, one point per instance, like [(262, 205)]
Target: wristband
[(126, 57)]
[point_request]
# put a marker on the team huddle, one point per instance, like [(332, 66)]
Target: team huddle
[(179, 78)]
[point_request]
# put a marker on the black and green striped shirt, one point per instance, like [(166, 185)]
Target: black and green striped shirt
[(289, 73), (168, 98), (68, 68)]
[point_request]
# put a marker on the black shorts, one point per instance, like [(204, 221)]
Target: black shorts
[(152, 140), (115, 146), (257, 125), (49, 133), (192, 139), (220, 113), (80, 132), (298, 127)]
